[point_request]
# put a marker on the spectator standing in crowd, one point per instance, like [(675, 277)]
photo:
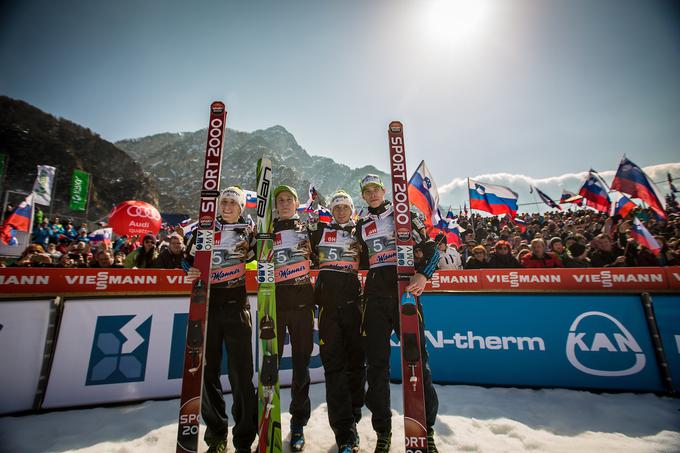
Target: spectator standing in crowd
[(118, 259), (577, 256), (57, 227), (539, 257), (449, 258), (477, 259), (34, 256), (103, 259), (145, 256), (558, 248), (605, 254), (53, 252), (42, 234), (501, 258), (171, 256)]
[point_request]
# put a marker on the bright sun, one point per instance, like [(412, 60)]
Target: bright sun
[(457, 22)]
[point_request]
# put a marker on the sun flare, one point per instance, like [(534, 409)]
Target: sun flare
[(457, 22)]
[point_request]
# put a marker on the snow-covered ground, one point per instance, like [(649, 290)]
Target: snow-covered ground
[(470, 419)]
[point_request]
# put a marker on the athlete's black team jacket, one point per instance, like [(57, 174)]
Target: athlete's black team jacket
[(375, 233), (338, 253), (233, 246)]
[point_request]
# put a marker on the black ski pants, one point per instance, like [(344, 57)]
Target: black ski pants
[(295, 312), (229, 323), (343, 360), (381, 317)]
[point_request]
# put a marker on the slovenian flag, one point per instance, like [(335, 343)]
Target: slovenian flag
[(570, 197), (547, 200), (624, 206), (644, 237), (492, 198), (450, 214), (324, 214), (423, 194), (595, 193), (521, 224), (451, 229), (251, 199), (18, 220), (631, 180), (101, 235)]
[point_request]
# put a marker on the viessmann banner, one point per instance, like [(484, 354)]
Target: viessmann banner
[(579, 341), (20, 281), (123, 349)]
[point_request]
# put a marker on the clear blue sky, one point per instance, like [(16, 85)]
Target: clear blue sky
[(535, 87)]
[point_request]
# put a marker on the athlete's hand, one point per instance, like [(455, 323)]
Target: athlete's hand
[(417, 284), (306, 248), (193, 274), (241, 249)]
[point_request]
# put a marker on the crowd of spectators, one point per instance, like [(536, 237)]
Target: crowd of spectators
[(560, 239), (556, 239)]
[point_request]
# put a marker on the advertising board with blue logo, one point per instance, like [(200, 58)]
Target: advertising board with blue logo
[(543, 340), (667, 313), (124, 349)]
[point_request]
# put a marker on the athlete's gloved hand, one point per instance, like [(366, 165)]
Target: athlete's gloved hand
[(306, 248), (417, 284), (241, 249)]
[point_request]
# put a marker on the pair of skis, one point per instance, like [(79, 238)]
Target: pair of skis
[(269, 409), (268, 386)]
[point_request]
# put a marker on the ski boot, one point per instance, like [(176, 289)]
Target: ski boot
[(350, 447), (382, 445), (431, 447), (218, 446), (297, 438)]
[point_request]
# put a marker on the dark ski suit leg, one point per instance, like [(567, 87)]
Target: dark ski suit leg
[(381, 317), (344, 366), (229, 324), (295, 311)]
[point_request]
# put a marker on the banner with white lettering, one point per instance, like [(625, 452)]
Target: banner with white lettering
[(126, 349), (23, 332), (542, 340), (667, 313), (42, 187), (80, 183)]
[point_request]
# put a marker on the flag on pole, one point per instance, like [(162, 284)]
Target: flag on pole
[(423, 194), (324, 214), (19, 220), (492, 198), (101, 235), (570, 197), (80, 183), (450, 214), (451, 229), (644, 237), (251, 199), (521, 224), (624, 206), (44, 182), (547, 200), (595, 193), (631, 180)]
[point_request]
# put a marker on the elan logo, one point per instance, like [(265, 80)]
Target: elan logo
[(119, 350), (595, 332)]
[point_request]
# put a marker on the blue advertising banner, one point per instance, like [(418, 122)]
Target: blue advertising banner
[(667, 312), (543, 340)]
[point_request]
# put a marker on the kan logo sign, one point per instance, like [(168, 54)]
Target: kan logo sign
[(120, 348), (595, 333)]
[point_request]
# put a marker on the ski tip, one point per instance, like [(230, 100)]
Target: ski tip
[(396, 126), (217, 107)]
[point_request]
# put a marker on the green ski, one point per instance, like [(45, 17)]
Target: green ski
[(269, 404)]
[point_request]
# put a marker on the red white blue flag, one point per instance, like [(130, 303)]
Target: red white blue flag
[(644, 237), (19, 220), (423, 194), (631, 180), (251, 199), (547, 200), (595, 193), (570, 197), (624, 206), (492, 198), (324, 214)]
